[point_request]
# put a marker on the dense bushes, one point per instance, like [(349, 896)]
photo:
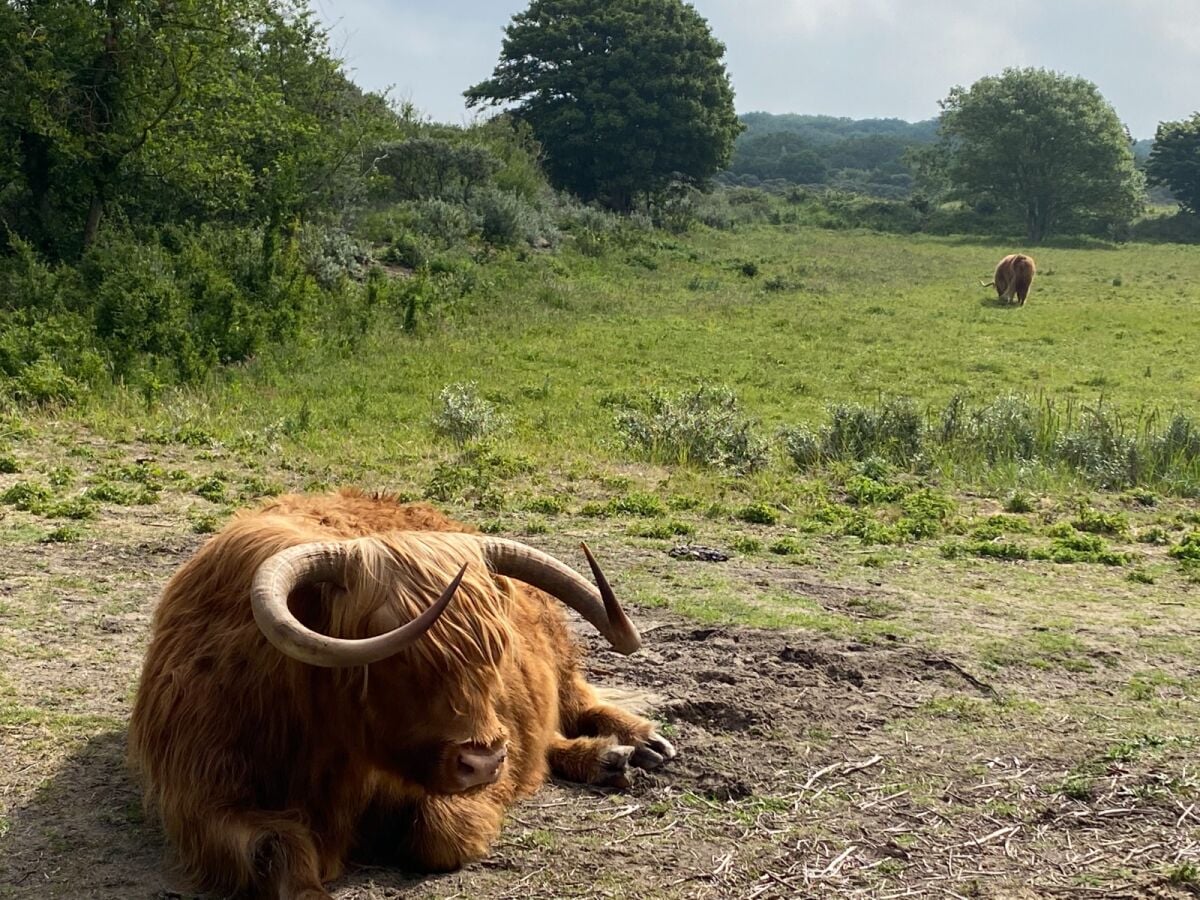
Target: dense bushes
[(168, 304), (162, 304)]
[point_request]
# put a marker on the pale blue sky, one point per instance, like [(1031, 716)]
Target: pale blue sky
[(857, 58)]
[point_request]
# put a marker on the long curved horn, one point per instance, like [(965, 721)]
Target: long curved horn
[(282, 573), (543, 571)]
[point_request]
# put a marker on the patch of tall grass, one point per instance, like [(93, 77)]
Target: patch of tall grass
[(1104, 447)]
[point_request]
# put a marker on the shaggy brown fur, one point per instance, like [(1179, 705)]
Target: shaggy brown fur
[(268, 773), (1014, 274)]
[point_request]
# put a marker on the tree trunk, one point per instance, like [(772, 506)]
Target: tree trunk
[(100, 119), (92, 226), (1036, 221), (35, 166)]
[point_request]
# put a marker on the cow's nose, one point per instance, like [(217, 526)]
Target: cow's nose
[(480, 765)]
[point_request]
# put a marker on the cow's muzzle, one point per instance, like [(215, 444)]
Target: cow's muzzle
[(479, 765)]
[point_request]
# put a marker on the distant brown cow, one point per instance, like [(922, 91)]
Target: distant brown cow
[(342, 674), (1014, 275)]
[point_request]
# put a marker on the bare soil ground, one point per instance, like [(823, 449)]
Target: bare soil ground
[(812, 762)]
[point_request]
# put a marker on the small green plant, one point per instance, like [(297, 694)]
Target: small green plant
[(64, 534), (635, 503), (71, 508), (662, 530), (205, 521), (472, 477), (212, 488), (1019, 502), (996, 526), (1188, 549), (862, 524), (30, 496), (746, 544), (786, 546), (1155, 534), (120, 494), (9, 464), (256, 486), (758, 514), (547, 505), (1077, 787), (1185, 875), (463, 415), (863, 490), (1083, 548), (1005, 550), (61, 476), (1095, 522), (925, 513), (189, 434), (536, 525), (876, 468), (1140, 576)]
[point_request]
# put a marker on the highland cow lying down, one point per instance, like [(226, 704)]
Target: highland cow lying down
[(341, 675)]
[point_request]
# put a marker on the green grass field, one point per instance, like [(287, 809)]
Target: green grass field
[(901, 680), (828, 317)]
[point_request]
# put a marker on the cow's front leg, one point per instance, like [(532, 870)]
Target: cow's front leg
[(592, 760), (446, 833), (651, 749)]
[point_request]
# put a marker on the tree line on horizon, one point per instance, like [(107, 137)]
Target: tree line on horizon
[(868, 156), (630, 97)]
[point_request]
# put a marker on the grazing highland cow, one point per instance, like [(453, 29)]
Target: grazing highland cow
[(345, 674), (1014, 274)]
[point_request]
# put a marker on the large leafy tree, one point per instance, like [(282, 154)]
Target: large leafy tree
[(1175, 161), (1043, 147), (623, 95), (166, 111)]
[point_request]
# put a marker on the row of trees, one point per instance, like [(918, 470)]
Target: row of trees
[(863, 156), (189, 112), (630, 95)]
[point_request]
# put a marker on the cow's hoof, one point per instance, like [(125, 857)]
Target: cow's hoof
[(653, 752), (614, 767)]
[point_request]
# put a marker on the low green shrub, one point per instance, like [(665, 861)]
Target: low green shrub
[(702, 427), (463, 415)]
